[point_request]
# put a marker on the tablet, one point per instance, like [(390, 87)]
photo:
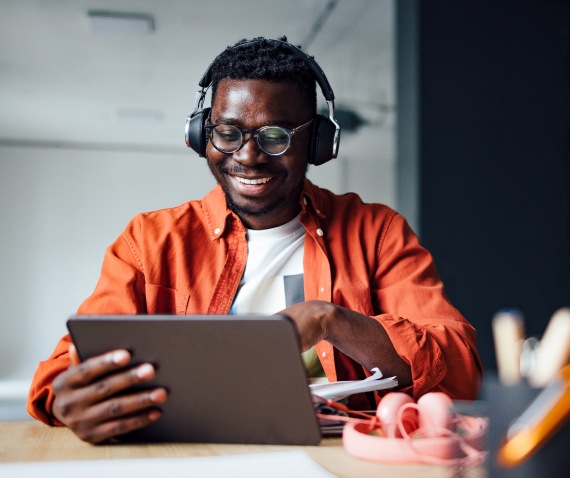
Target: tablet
[(230, 378)]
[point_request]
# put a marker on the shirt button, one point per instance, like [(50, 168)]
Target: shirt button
[(322, 289), (320, 232), (217, 230), (324, 354)]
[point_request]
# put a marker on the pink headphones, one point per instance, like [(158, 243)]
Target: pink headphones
[(403, 431)]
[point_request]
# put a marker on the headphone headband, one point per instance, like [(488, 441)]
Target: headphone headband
[(320, 76)]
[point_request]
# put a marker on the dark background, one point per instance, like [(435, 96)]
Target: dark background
[(484, 130)]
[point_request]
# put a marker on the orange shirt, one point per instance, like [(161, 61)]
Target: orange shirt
[(190, 259)]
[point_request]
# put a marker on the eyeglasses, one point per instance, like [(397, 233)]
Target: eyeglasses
[(272, 140)]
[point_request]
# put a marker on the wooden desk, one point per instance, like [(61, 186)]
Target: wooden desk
[(33, 441)]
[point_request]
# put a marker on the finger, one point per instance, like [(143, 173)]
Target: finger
[(115, 428), (74, 355), (125, 406), (89, 370), (71, 404), (118, 382)]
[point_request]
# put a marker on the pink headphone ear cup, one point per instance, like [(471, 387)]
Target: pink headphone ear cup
[(435, 412), (387, 412)]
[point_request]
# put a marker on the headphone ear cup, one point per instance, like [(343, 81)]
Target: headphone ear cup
[(388, 410), (196, 135), (322, 140), (435, 413)]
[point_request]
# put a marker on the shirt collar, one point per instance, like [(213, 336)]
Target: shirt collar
[(312, 199), (217, 212)]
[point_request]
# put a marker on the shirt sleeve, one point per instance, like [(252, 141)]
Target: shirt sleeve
[(41, 396), (426, 330)]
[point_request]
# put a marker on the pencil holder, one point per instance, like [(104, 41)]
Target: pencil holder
[(507, 402)]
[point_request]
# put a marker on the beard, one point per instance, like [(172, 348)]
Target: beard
[(245, 211), (220, 171)]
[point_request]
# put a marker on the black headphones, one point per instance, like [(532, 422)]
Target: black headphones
[(325, 135)]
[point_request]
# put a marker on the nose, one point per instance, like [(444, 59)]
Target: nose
[(250, 153)]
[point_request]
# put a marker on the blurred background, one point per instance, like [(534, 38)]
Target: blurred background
[(454, 113)]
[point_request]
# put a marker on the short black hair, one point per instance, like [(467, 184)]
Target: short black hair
[(264, 59)]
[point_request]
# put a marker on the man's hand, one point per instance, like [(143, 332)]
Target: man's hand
[(310, 318), (89, 401), (360, 337)]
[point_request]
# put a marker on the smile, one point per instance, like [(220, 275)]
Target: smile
[(253, 181)]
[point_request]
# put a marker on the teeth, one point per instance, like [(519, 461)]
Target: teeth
[(253, 181)]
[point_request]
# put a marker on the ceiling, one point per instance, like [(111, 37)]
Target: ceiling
[(64, 85)]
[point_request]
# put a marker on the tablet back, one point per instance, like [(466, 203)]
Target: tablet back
[(230, 379)]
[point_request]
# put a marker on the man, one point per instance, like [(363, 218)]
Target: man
[(370, 294)]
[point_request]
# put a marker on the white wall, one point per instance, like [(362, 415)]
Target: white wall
[(60, 208)]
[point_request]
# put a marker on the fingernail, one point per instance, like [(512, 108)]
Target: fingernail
[(145, 371), (154, 415), (120, 357), (158, 396)]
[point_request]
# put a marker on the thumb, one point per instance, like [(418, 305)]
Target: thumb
[(74, 355)]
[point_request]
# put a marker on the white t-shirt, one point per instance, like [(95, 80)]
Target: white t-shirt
[(273, 276)]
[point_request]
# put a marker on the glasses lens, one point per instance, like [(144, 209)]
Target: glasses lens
[(226, 138), (273, 140)]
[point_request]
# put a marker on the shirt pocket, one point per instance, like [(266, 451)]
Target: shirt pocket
[(164, 300)]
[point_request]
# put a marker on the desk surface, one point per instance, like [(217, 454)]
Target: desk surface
[(33, 441)]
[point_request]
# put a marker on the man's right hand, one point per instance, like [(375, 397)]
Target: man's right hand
[(89, 401)]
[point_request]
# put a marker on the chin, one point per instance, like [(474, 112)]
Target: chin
[(252, 211)]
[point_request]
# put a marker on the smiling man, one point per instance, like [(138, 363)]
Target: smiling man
[(353, 277), (262, 190)]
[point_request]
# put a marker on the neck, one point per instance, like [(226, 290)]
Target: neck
[(269, 220)]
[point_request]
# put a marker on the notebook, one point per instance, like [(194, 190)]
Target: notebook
[(230, 379)]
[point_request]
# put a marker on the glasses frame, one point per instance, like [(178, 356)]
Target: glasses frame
[(255, 133)]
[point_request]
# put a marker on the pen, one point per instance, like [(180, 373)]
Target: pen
[(508, 334), (554, 349), (538, 422)]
